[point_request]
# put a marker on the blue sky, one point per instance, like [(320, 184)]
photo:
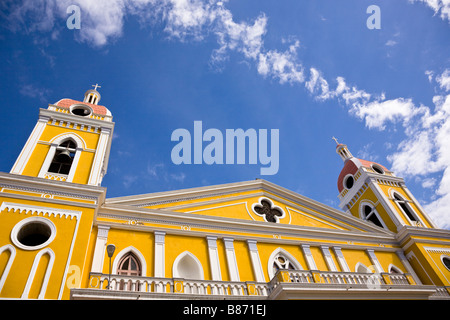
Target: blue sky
[(311, 69)]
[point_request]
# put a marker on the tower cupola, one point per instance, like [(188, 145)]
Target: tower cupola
[(92, 96)]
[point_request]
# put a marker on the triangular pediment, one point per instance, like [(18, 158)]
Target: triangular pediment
[(256, 200)]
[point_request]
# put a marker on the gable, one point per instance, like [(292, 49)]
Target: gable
[(242, 200)]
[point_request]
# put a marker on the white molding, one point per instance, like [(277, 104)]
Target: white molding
[(38, 210), (125, 251), (214, 258), (99, 250), (256, 261), (32, 274), (375, 211), (95, 175), (408, 266), (159, 254), (285, 253), (231, 259), (28, 149), (374, 260), (175, 270), (12, 255), (341, 259), (328, 258), (309, 257), (22, 223)]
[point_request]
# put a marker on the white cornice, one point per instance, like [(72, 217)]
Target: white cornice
[(71, 118), (164, 217)]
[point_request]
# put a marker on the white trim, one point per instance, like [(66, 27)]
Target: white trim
[(99, 250), (395, 268), (281, 251), (95, 175), (374, 260), (176, 272), (328, 258), (442, 260), (309, 258), (214, 258), (341, 259), (28, 149), (389, 208), (29, 209), (16, 229), (160, 254), (231, 259), (392, 194), (256, 261), (124, 252), (344, 181), (32, 274), (5, 273), (375, 211), (408, 266)]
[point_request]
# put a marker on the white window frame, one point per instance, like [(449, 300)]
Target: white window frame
[(80, 146), (362, 214)]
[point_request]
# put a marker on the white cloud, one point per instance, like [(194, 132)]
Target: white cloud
[(390, 43), (440, 7)]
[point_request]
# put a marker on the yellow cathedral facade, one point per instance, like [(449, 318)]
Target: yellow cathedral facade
[(62, 238)]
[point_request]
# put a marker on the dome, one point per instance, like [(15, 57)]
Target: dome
[(352, 165), (97, 109)]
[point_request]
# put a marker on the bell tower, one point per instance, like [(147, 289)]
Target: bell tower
[(70, 142), (371, 192)]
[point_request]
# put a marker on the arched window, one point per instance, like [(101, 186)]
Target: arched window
[(281, 262), (281, 259), (63, 159), (369, 213), (129, 266), (405, 207)]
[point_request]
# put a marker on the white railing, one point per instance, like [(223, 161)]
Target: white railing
[(235, 289), (182, 286)]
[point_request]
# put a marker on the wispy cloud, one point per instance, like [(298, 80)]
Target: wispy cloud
[(440, 7)]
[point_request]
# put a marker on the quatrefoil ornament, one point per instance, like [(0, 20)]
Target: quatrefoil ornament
[(266, 209)]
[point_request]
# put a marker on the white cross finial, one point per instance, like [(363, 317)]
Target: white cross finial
[(96, 86), (335, 140)]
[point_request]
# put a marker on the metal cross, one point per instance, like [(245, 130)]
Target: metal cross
[(96, 86), (335, 140)]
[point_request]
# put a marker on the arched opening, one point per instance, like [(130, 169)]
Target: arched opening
[(63, 159), (369, 213), (405, 207), (281, 259), (187, 266), (130, 266)]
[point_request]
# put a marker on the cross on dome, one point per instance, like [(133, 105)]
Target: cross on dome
[(96, 86)]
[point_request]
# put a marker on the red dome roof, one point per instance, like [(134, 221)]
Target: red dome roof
[(351, 166), (66, 103)]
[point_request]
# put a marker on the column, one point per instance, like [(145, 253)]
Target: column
[(256, 261), (97, 165), (328, 258), (340, 257), (19, 165), (100, 248), (309, 258), (214, 258), (159, 254), (231, 259), (408, 266), (374, 260)]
